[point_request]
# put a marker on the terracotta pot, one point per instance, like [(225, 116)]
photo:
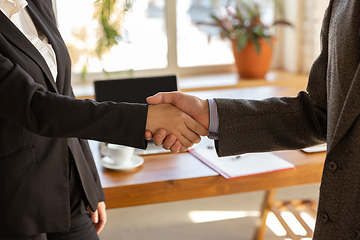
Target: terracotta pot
[(249, 63)]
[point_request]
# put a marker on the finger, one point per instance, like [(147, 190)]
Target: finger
[(184, 140), (148, 135), (183, 149), (101, 216), (169, 141), (175, 148), (196, 127), (193, 126), (159, 137), (100, 226), (192, 137), (94, 217), (101, 223), (186, 136), (156, 99), (163, 97)]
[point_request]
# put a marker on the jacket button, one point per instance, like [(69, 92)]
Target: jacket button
[(324, 217), (332, 166)]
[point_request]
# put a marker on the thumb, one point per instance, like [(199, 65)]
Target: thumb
[(95, 217), (156, 99), (148, 135)]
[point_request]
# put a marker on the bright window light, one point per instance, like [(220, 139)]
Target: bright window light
[(275, 226), (310, 221), (144, 44), (194, 48), (211, 216), (293, 223)]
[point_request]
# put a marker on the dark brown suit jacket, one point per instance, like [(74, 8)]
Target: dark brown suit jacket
[(39, 121), (327, 112)]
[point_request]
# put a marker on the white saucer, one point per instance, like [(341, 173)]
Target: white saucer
[(135, 161)]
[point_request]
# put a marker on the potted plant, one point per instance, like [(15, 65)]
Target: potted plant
[(251, 39)]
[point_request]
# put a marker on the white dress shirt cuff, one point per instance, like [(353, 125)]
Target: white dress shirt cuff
[(214, 120)]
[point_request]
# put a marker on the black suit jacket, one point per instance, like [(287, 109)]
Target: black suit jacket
[(327, 112), (40, 120)]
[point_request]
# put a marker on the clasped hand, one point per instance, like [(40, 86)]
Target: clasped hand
[(176, 120)]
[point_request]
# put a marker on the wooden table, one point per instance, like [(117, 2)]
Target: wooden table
[(172, 177)]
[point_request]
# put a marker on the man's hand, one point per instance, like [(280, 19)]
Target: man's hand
[(195, 107), (175, 122), (99, 217)]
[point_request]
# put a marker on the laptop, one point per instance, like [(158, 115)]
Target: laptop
[(135, 90)]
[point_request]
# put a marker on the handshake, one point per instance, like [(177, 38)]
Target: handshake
[(176, 120)]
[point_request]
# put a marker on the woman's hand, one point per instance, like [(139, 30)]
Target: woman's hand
[(99, 217)]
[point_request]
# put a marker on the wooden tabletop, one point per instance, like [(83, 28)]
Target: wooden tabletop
[(170, 177)]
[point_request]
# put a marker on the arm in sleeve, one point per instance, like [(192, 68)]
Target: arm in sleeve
[(31, 106), (269, 125)]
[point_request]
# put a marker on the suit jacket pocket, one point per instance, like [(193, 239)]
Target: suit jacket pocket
[(17, 160)]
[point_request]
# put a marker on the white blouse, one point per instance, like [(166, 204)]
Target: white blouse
[(15, 10)]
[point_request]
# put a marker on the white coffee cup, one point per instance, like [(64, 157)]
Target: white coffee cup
[(120, 154)]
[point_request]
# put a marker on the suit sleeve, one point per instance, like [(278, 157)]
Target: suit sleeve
[(269, 125), (30, 105)]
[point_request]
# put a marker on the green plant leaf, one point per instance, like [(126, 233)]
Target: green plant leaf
[(218, 22), (109, 23), (242, 40), (245, 23), (248, 7), (258, 30), (256, 45), (84, 72), (268, 40)]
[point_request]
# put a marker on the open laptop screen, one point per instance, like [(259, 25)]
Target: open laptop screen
[(133, 90)]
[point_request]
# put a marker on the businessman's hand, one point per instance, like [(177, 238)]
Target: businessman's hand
[(195, 107), (175, 122)]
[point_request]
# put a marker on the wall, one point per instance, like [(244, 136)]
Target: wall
[(312, 20), (298, 47)]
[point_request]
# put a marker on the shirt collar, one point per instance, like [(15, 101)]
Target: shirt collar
[(11, 7)]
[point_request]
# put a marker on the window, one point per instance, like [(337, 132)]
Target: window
[(144, 43), (199, 45), (159, 37)]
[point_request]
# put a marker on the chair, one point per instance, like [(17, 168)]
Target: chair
[(293, 206)]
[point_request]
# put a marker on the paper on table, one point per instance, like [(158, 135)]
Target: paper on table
[(318, 148), (245, 165)]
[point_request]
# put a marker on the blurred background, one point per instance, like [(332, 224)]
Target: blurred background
[(161, 37)]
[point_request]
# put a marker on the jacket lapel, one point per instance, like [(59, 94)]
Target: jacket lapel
[(349, 112), (14, 35), (49, 29)]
